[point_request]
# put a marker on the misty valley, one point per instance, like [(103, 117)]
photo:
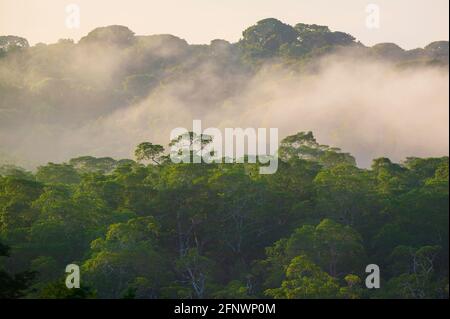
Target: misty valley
[(87, 181)]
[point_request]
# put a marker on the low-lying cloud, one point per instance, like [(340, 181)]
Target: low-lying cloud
[(370, 109)]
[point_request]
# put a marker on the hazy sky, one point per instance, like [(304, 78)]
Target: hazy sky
[(409, 23)]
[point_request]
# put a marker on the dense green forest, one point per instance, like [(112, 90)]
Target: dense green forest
[(167, 230), (149, 228)]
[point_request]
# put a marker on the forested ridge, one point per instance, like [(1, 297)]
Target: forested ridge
[(113, 89), (149, 228)]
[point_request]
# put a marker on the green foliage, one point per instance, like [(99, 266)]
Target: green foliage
[(127, 257), (270, 37), (13, 286), (346, 194), (115, 35), (209, 230), (58, 290), (57, 173), (16, 172), (332, 247), (89, 164), (224, 231), (354, 289), (266, 37), (304, 146), (11, 43), (234, 290), (415, 273), (150, 152), (305, 280)]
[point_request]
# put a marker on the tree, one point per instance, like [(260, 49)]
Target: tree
[(335, 247), (233, 290), (416, 269), (347, 194), (16, 211), (195, 270), (332, 248), (13, 286), (149, 151), (224, 231), (266, 37), (304, 146), (12, 42), (313, 37), (239, 202), (127, 255), (58, 290), (114, 34), (16, 172), (57, 173), (66, 224), (353, 290), (89, 164), (190, 147), (305, 280)]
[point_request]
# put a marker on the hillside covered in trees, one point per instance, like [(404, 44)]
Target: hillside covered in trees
[(149, 228), (225, 231)]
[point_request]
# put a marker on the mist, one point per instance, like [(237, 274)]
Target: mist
[(368, 107)]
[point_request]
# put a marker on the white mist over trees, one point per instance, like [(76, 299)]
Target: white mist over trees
[(113, 89)]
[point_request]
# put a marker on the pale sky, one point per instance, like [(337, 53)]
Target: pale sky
[(409, 23)]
